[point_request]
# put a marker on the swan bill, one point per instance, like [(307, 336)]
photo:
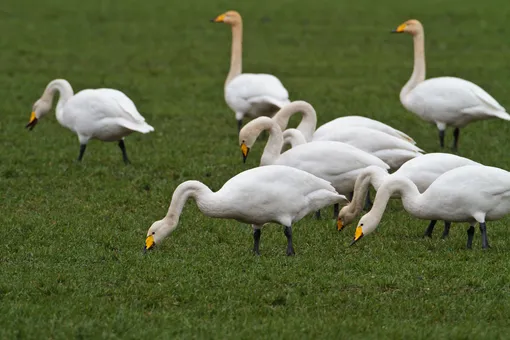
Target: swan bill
[(400, 29), (33, 121), (339, 224), (245, 150), (149, 243), (219, 18), (358, 235)]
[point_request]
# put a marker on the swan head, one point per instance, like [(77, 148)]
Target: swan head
[(345, 217), (40, 108), (412, 27), (366, 225), (158, 231), (246, 140), (231, 17)]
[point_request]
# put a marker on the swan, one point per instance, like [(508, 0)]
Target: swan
[(104, 114), (472, 193), (336, 162), (309, 122), (422, 171), (274, 193), (249, 94), (444, 101)]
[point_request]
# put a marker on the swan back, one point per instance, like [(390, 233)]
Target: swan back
[(358, 121)]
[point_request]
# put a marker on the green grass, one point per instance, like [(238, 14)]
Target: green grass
[(72, 234)]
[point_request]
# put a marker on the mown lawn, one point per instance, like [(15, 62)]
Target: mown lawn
[(70, 251)]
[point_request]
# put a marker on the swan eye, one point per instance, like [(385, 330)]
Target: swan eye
[(361, 225), (153, 233)]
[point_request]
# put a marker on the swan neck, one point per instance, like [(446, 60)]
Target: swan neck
[(401, 185), (308, 121), (236, 58), (419, 68), (371, 175), (65, 93), (193, 189), (274, 144)]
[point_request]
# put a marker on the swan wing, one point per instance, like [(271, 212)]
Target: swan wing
[(257, 88), (445, 98), (359, 121)]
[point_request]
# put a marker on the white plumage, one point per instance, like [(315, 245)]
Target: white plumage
[(422, 171), (471, 194), (249, 94), (104, 114), (444, 101), (257, 196)]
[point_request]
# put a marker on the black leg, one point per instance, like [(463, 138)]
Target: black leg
[(470, 232), (351, 196), (368, 201), (441, 138), (446, 231), (82, 151), (124, 154), (336, 210), (318, 214), (288, 232), (239, 125), (456, 133), (483, 230), (430, 229), (256, 241)]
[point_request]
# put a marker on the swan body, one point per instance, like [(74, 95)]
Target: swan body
[(309, 122), (391, 150), (336, 162), (249, 94), (257, 196), (104, 114), (472, 193), (422, 171), (444, 101)]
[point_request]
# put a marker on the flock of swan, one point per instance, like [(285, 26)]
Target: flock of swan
[(305, 169)]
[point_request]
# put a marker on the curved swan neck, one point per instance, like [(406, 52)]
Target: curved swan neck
[(370, 175), (407, 190), (293, 137), (419, 70), (274, 143), (236, 58), (308, 121), (65, 91), (194, 189)]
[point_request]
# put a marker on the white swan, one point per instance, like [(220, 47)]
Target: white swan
[(309, 122), (422, 171), (336, 162), (104, 114), (257, 196), (444, 101), (471, 193), (249, 94)]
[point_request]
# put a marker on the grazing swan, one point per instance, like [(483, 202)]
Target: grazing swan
[(249, 94), (275, 193), (104, 114), (472, 193), (336, 162), (309, 122), (444, 101), (422, 171)]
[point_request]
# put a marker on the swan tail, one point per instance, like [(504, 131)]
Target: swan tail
[(501, 114), (406, 137), (142, 127)]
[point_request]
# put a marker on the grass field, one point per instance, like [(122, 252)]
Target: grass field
[(70, 251)]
